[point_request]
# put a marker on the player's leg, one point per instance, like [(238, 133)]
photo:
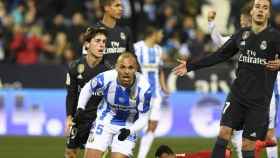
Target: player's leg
[(93, 153), (271, 144), (148, 138), (232, 118), (98, 141), (248, 147), (123, 149), (71, 149), (271, 140), (237, 142), (255, 128), (71, 153)]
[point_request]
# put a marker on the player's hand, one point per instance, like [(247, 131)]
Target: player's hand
[(124, 133), (181, 69), (69, 124), (211, 15), (273, 65)]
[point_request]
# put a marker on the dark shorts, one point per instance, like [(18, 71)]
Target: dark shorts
[(78, 135), (252, 120)]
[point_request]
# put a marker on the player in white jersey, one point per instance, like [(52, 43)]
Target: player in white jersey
[(150, 55), (271, 143), (123, 111)]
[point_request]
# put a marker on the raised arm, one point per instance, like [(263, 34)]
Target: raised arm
[(217, 38)]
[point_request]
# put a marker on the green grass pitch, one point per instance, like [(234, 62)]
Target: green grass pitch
[(53, 147)]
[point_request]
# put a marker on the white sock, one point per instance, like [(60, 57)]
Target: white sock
[(237, 142), (145, 144), (272, 152)]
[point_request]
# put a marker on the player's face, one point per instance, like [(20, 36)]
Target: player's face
[(159, 36), (97, 45), (260, 12), (126, 68), (245, 20), (115, 9)]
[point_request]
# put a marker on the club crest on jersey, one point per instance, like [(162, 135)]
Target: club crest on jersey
[(81, 68), (263, 45), (245, 35), (122, 35)]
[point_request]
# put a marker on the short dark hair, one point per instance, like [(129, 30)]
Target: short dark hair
[(104, 3), (150, 30), (246, 9), (91, 32), (163, 149)]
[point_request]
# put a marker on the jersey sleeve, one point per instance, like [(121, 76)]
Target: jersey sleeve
[(216, 37), (72, 91), (225, 52), (93, 86)]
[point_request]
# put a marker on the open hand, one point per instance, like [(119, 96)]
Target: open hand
[(181, 69), (273, 65)]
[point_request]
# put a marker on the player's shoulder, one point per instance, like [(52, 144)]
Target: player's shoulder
[(139, 44), (77, 64), (108, 75), (274, 33)]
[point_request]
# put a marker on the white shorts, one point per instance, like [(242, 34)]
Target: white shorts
[(106, 135), (273, 111), (155, 108)]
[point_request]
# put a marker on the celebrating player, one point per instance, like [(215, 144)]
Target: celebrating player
[(124, 109)]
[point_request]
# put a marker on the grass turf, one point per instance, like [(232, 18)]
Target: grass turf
[(53, 147)]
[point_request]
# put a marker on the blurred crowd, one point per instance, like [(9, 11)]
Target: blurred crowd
[(50, 31)]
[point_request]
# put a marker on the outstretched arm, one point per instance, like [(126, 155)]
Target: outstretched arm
[(225, 52)]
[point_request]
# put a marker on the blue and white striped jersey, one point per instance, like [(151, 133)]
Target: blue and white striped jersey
[(150, 61), (120, 105)]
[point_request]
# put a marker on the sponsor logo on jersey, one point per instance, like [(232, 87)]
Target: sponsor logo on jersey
[(263, 45), (245, 35), (243, 43), (122, 35), (81, 68), (68, 79), (80, 76)]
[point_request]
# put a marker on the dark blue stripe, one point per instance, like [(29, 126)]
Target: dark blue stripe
[(141, 55), (152, 55), (147, 99), (152, 81), (108, 109)]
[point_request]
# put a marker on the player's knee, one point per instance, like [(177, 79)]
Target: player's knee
[(225, 132), (152, 126), (69, 153), (248, 145), (270, 136)]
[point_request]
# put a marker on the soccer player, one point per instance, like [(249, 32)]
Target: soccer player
[(271, 140), (164, 151), (119, 39), (124, 109), (247, 105), (149, 55), (80, 72)]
